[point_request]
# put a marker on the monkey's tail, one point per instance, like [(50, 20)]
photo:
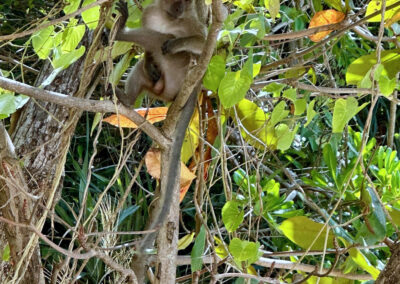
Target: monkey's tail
[(173, 175)]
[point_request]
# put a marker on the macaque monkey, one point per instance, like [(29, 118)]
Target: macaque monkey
[(171, 34)]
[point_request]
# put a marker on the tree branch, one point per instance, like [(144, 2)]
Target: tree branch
[(86, 105)]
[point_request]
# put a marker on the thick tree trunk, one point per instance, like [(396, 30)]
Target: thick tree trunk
[(33, 176), (391, 275)]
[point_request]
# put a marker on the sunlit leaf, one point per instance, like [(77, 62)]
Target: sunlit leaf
[(344, 110), (390, 59), (91, 16), (303, 231), (215, 72), (322, 18), (363, 262), (232, 216), (376, 5), (42, 42), (273, 7), (244, 251), (185, 241), (62, 60), (6, 253)]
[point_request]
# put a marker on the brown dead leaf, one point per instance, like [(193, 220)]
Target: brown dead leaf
[(153, 164), (322, 18), (152, 115)]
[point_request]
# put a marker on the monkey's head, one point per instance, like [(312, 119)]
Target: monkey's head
[(176, 8)]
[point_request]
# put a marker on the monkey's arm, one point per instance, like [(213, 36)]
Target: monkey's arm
[(192, 44)]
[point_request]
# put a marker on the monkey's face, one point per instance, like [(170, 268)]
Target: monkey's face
[(176, 8)]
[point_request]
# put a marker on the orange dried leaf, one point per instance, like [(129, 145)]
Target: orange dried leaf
[(153, 115), (120, 121), (153, 164), (323, 18)]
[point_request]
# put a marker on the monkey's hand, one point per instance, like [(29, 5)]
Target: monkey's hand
[(167, 46), (122, 8)]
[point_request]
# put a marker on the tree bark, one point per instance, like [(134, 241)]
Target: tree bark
[(391, 275), (32, 174)]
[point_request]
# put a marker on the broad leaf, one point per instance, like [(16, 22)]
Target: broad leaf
[(303, 231), (215, 72), (363, 262), (42, 42), (244, 251), (344, 110), (390, 59), (91, 16), (232, 216)]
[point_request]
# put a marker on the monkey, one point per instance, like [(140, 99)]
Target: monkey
[(171, 34)]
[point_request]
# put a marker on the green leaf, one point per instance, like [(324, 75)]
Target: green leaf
[(215, 72), (330, 160), (7, 104), (244, 251), (64, 60), (376, 217), (91, 16), (357, 70), (273, 7), (6, 253), (290, 94), (233, 88), (386, 85), (120, 68), (96, 121), (303, 231), (72, 6), (285, 136), (278, 114), (232, 216), (363, 262), (274, 88), (344, 110), (71, 36), (120, 47), (300, 106), (198, 249), (42, 42), (310, 112)]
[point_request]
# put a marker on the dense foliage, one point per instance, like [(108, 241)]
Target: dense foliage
[(294, 145)]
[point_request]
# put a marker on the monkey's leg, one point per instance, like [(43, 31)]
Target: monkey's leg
[(136, 82), (154, 73)]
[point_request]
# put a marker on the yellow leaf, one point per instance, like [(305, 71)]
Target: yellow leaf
[(376, 5), (185, 241), (220, 249), (191, 140), (303, 231), (363, 262), (153, 115), (323, 18)]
